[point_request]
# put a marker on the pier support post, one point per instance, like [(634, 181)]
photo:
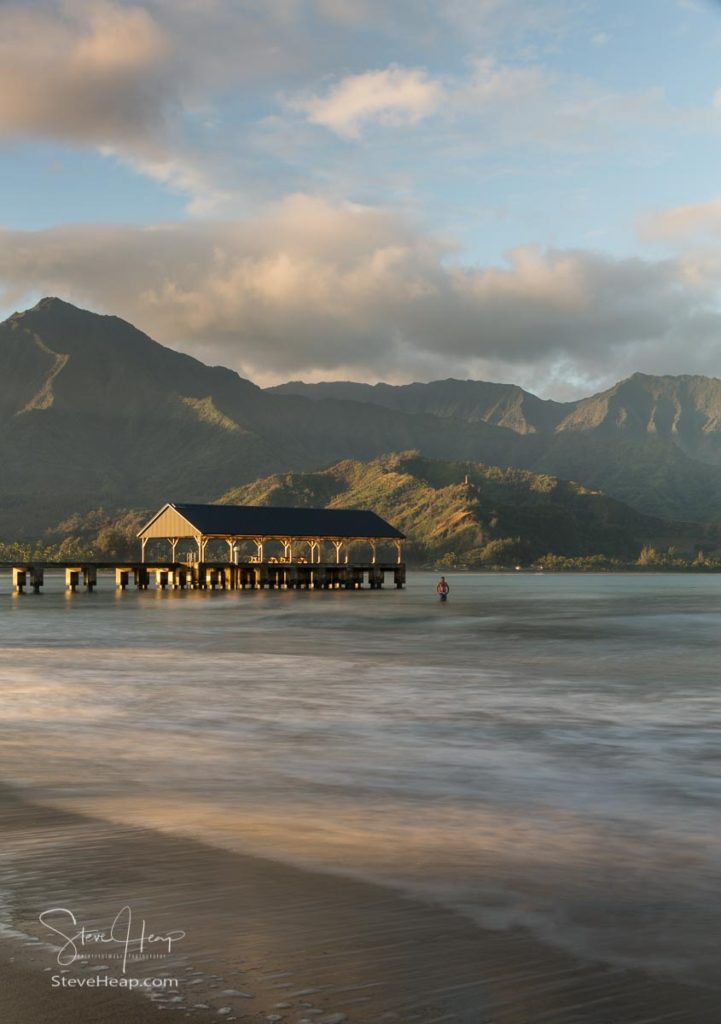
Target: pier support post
[(72, 579), (161, 578), (356, 578), (20, 579), (142, 578), (37, 578), (90, 577), (122, 578), (399, 576)]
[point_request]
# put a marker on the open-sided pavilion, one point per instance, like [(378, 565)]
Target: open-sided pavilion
[(296, 529)]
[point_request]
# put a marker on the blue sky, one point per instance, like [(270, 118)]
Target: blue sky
[(508, 189)]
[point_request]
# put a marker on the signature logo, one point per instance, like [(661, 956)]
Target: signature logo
[(125, 939)]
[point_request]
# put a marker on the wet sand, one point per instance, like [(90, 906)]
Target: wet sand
[(268, 942)]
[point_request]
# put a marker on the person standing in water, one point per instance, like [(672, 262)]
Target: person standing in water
[(442, 589)]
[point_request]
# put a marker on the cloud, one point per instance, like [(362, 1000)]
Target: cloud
[(85, 72), (682, 223), (390, 97), (526, 104), (308, 288), (140, 80), (102, 71), (183, 90), (191, 92), (492, 105)]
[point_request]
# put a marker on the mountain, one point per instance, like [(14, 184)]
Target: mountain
[(501, 405), (684, 410), (94, 413), (653, 442), (473, 510)]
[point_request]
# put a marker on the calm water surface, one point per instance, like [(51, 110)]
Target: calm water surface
[(541, 751)]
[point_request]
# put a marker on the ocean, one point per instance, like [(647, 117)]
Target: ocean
[(541, 752)]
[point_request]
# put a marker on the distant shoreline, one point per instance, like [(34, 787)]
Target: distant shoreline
[(591, 570)]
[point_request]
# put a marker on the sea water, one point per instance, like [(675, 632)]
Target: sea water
[(539, 751)]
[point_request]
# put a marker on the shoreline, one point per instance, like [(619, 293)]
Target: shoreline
[(269, 942)]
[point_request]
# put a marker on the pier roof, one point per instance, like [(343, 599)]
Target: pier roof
[(267, 521)]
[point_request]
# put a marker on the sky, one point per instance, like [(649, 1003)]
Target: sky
[(514, 190)]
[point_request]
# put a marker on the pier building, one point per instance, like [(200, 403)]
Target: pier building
[(295, 529)]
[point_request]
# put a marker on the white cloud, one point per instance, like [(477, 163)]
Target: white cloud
[(307, 288), (491, 106), (682, 223), (391, 97)]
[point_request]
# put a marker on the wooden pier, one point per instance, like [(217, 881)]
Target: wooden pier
[(305, 539), (275, 575)]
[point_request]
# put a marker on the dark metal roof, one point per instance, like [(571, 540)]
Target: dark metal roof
[(266, 521)]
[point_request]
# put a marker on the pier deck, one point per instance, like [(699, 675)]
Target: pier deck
[(251, 575)]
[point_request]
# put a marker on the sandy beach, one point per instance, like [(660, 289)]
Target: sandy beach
[(267, 942)]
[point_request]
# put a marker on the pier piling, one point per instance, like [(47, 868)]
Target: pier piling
[(250, 575), (141, 577), (72, 579), (122, 578)]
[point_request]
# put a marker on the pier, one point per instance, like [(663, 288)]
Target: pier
[(316, 549)]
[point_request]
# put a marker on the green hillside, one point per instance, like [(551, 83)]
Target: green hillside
[(480, 513), (452, 512)]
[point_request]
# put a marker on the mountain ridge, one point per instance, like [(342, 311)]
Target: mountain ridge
[(93, 411), (490, 401)]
